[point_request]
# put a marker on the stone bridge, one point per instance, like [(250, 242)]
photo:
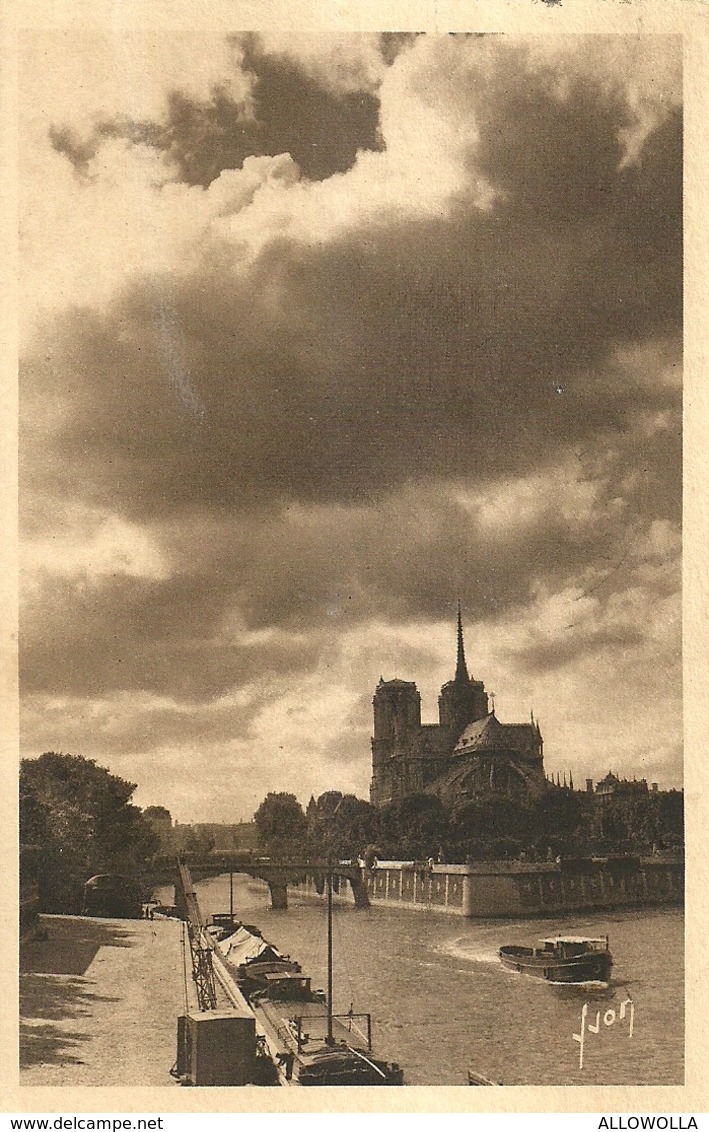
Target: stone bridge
[(277, 874)]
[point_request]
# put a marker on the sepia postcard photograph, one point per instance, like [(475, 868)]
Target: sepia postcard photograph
[(350, 403)]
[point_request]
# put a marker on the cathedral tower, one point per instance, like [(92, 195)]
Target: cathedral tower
[(397, 723), (462, 700)]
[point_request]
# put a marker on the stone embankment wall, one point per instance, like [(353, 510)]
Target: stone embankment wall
[(500, 888)]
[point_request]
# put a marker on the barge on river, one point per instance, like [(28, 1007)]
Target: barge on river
[(562, 959), (313, 1046), (308, 1044)]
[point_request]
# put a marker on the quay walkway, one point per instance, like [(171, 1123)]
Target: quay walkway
[(99, 999)]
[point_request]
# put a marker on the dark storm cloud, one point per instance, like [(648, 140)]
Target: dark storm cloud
[(129, 634), (546, 656), (315, 573), (574, 190), (80, 151), (420, 349), (339, 377), (392, 44), (411, 552), (144, 726), (289, 112)]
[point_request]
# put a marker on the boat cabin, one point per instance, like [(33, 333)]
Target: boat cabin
[(286, 985), (565, 947)]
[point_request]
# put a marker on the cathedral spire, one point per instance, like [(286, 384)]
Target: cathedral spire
[(461, 669)]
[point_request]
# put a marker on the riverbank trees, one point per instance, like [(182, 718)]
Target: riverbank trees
[(80, 819), (562, 822), (340, 825), (281, 826)]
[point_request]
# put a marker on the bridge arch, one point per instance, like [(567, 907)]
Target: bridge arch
[(277, 874)]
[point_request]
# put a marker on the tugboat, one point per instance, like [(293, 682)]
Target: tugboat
[(562, 959)]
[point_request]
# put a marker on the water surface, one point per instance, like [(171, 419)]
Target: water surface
[(441, 1002)]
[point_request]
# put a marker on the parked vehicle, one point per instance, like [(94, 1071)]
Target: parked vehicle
[(110, 894)]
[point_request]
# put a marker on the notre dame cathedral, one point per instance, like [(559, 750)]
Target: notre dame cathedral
[(467, 754)]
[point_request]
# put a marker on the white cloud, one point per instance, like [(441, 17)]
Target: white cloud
[(82, 239), (92, 543), (77, 80), (342, 65)]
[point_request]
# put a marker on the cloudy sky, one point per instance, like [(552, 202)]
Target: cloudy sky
[(320, 334)]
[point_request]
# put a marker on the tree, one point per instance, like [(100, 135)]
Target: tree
[(198, 841), (490, 828), (80, 818), (416, 826), (340, 825), (157, 813), (558, 821), (670, 825), (329, 802), (281, 826)]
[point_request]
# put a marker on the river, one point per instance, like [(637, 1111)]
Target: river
[(441, 1003)]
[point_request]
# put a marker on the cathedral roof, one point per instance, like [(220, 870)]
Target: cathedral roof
[(478, 735), (488, 734), (431, 739)]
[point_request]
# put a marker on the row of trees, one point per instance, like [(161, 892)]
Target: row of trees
[(78, 819), (495, 827)]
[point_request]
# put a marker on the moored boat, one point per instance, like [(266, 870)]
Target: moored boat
[(307, 1043), (311, 1045), (252, 958), (562, 959), (478, 1079)]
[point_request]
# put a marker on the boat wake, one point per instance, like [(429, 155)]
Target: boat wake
[(589, 984), (459, 950)]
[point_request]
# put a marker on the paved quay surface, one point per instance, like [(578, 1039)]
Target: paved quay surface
[(99, 1001)]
